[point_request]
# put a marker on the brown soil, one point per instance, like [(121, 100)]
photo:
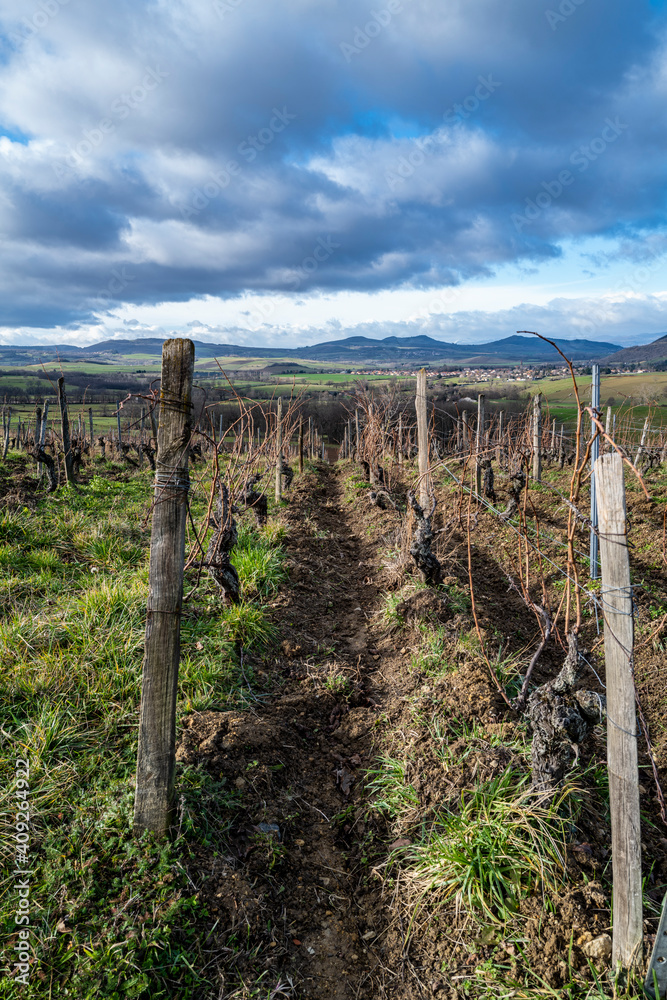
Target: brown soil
[(300, 893)]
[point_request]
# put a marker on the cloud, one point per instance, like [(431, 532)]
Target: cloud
[(619, 319), (198, 149)]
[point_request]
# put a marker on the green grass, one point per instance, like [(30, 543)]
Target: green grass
[(500, 843), (73, 583), (387, 785), (390, 612), (431, 659)]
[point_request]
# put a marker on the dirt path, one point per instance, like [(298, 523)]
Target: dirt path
[(314, 915)]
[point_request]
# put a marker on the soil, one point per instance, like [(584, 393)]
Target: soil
[(301, 894)]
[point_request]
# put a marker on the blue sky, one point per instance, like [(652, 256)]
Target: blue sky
[(252, 172)]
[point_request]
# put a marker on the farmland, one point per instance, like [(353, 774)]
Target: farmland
[(353, 806)]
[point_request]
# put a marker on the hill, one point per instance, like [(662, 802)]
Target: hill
[(655, 351), (353, 351)]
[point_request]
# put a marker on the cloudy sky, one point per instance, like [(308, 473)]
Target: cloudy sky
[(282, 173)]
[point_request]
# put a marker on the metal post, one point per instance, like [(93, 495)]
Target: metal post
[(595, 453)]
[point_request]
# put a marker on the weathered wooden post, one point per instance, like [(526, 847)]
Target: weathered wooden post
[(616, 597), (479, 443), (301, 445), (141, 437), (553, 440), (6, 423), (279, 450), (465, 433), (90, 427), (399, 440), (357, 434), (499, 447), (64, 424), (537, 437), (38, 427), (422, 439), (120, 436), (41, 435), (157, 721), (642, 443)]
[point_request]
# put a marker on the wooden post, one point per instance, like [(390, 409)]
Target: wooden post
[(479, 442), (41, 434), (120, 436), (6, 427), (90, 427), (422, 439), (537, 437), (357, 435), (465, 433), (301, 445), (141, 437), (157, 721), (616, 597), (642, 443), (499, 448), (279, 450), (64, 423), (154, 427)]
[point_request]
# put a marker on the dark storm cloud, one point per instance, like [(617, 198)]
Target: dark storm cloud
[(206, 147)]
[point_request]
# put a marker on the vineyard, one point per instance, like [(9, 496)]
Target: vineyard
[(325, 719)]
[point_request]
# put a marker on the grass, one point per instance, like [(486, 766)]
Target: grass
[(431, 658), (390, 613), (73, 582), (501, 843), (387, 784)]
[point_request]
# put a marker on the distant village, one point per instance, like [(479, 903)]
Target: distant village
[(520, 373)]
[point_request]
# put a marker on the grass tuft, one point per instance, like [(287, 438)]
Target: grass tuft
[(503, 842)]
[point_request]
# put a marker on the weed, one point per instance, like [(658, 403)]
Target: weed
[(430, 659), (338, 684), (391, 791), (248, 626), (390, 611), (502, 843), (259, 562)]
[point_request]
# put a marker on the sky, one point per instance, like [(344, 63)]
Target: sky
[(252, 172)]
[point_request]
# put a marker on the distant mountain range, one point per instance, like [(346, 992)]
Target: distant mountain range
[(656, 351), (352, 351)]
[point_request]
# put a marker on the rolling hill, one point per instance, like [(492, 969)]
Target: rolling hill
[(655, 351), (352, 351)]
